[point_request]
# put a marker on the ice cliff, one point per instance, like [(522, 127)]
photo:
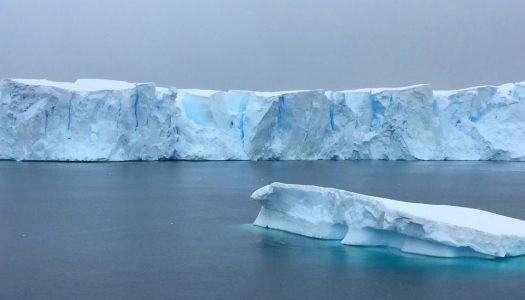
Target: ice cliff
[(91, 120), (356, 219)]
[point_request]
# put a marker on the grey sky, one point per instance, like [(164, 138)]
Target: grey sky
[(266, 44)]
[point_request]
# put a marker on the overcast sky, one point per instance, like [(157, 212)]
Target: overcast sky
[(266, 44)]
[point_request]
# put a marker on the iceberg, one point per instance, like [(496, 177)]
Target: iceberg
[(361, 220), (107, 120), (483, 123)]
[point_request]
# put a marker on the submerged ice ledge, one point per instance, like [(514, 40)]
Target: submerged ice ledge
[(94, 119), (356, 219)]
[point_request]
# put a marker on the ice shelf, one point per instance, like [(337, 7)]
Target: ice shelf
[(106, 120)]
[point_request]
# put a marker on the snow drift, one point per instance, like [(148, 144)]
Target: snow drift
[(356, 219), (92, 119)]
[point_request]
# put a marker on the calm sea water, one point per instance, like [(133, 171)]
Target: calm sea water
[(181, 230)]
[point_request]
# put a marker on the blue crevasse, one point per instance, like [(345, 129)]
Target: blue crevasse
[(69, 111), (331, 116), (135, 106), (242, 109)]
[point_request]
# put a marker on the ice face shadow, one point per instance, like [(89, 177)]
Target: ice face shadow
[(291, 248)]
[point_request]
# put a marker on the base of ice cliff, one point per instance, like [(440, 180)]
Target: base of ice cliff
[(104, 120), (356, 219)]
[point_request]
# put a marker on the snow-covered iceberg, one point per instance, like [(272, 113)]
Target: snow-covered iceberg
[(93, 119), (356, 219)]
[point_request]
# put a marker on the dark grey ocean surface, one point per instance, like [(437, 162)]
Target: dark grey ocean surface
[(181, 230)]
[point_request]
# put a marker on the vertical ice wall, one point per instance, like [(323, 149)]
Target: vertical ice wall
[(111, 120), (47, 122), (483, 123)]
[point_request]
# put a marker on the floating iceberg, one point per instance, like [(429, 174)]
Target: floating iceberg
[(356, 219), (93, 119)]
